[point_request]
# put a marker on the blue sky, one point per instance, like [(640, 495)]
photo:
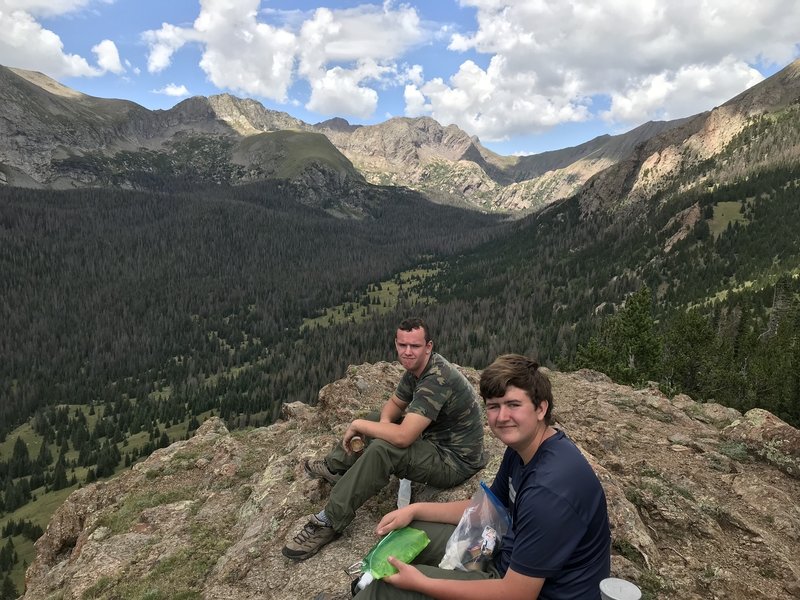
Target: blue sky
[(524, 76)]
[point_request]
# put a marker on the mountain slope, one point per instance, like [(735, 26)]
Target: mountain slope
[(696, 149), (55, 137), (448, 165)]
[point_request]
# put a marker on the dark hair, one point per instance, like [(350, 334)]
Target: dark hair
[(521, 372), (415, 323)]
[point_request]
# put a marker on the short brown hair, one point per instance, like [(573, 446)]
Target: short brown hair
[(521, 372), (415, 323)]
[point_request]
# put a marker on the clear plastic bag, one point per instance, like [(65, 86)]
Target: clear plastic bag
[(478, 534)]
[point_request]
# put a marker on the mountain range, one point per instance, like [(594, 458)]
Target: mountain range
[(56, 137)]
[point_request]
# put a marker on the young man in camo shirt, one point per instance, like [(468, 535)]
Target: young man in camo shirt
[(429, 431)]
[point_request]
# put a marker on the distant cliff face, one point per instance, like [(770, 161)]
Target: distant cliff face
[(704, 502)]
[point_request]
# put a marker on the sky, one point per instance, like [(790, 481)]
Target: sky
[(525, 76)]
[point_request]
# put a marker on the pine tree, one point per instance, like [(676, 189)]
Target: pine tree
[(628, 347), (8, 591), (59, 476)]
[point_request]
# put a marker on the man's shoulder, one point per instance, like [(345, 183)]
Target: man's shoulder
[(439, 366)]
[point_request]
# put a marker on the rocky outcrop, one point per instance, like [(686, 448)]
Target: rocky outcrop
[(703, 501), (249, 117)]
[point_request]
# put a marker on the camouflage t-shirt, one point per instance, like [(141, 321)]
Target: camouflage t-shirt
[(443, 395)]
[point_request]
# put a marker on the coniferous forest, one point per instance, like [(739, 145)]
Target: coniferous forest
[(129, 317)]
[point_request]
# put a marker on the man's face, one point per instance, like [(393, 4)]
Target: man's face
[(412, 350), (514, 420)]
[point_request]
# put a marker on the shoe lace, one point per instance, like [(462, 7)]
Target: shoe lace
[(308, 531)]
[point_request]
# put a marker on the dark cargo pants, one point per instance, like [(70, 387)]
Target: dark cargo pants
[(428, 563), (369, 472)]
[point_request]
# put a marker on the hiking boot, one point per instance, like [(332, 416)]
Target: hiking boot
[(313, 536), (318, 469)]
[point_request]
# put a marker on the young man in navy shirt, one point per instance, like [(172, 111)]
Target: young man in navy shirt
[(558, 546)]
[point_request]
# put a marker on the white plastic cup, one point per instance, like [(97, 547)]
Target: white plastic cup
[(613, 588)]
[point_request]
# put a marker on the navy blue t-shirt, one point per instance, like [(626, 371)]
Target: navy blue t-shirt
[(559, 528)]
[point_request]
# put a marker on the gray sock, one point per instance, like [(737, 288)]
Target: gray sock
[(324, 518)]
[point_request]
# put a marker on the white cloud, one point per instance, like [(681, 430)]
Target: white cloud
[(494, 103), (366, 32), (43, 8), (547, 61), (414, 74), (173, 90), (344, 55), (26, 44), (671, 95), (338, 92), (163, 44), (108, 57), (415, 101)]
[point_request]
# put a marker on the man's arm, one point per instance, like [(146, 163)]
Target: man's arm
[(514, 586), (401, 434), (434, 512), (393, 409)]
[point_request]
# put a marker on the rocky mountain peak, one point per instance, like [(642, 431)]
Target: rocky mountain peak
[(337, 124), (703, 501), (249, 117)]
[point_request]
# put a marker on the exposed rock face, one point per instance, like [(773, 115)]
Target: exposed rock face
[(704, 502), (249, 117), (661, 161)]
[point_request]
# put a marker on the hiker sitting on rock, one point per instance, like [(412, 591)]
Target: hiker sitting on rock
[(558, 545), (429, 431)]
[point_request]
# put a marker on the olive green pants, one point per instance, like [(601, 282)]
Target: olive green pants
[(369, 472), (428, 563)]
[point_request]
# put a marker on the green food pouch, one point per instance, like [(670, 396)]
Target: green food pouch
[(404, 544)]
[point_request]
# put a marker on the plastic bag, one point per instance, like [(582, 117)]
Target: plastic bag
[(478, 534)]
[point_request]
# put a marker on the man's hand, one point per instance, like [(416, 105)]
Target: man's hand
[(395, 520), (349, 435), (407, 577)]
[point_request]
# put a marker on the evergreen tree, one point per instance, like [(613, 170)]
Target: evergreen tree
[(628, 346), (688, 352), (8, 591), (59, 476), (45, 457), (20, 463)]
